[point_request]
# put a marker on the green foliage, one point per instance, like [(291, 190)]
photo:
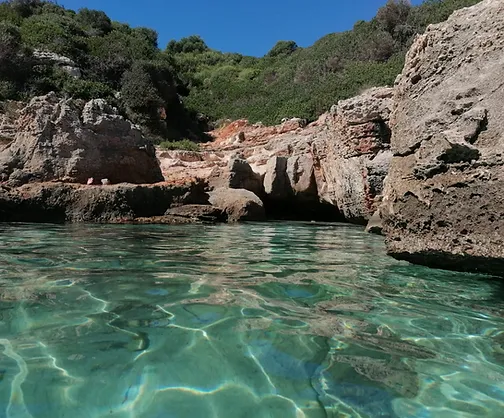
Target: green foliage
[(55, 33), (184, 144), (86, 89), (304, 82), (393, 14), (94, 22), (15, 63), (190, 44), (166, 92), (149, 93), (282, 48)]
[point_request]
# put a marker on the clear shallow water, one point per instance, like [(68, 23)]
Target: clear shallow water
[(261, 320)]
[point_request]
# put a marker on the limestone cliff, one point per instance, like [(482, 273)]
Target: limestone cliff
[(331, 169), (444, 198)]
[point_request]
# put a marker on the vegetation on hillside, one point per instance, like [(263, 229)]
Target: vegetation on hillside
[(117, 62), (290, 81), (166, 91)]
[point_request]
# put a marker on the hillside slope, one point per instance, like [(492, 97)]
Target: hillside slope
[(305, 82), (86, 55)]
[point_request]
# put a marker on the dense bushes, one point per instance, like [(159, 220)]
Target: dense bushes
[(303, 82), (282, 48), (166, 91), (117, 62)]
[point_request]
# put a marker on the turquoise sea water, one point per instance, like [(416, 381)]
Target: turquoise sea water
[(232, 321)]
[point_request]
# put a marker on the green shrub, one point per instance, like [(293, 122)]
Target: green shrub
[(86, 89), (185, 145), (282, 48), (192, 43), (94, 22), (54, 33)]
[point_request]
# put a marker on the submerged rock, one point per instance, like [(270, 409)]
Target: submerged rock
[(443, 203), (206, 213)]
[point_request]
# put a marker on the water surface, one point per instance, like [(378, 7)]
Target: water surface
[(235, 321)]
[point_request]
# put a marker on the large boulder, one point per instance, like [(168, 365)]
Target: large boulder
[(59, 139), (238, 204), (444, 196), (301, 175)]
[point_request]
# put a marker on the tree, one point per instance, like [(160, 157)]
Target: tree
[(25, 8), (94, 22), (193, 43), (393, 14), (54, 33), (282, 48), (15, 66), (147, 35)]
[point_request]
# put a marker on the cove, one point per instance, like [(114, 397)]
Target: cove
[(276, 320)]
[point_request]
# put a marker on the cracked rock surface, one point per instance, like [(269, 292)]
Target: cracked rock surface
[(444, 196)]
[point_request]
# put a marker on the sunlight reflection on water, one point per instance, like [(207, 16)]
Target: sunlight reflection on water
[(254, 320)]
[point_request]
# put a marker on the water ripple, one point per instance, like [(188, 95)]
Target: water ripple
[(256, 320)]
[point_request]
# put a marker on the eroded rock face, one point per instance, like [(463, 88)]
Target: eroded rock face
[(65, 63), (276, 182), (58, 140), (354, 157), (444, 197), (331, 169)]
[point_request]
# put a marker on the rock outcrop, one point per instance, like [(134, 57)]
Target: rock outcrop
[(331, 169), (65, 63), (59, 139), (60, 202), (237, 175), (354, 160), (443, 204)]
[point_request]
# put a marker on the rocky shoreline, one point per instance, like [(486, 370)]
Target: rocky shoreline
[(421, 162)]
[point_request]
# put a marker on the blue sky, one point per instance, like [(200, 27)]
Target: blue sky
[(247, 27)]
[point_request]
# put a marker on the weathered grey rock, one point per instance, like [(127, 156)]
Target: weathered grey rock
[(443, 201), (276, 182), (351, 154), (238, 204), (65, 63), (375, 224), (237, 175), (301, 175), (376, 171), (55, 140), (9, 111)]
